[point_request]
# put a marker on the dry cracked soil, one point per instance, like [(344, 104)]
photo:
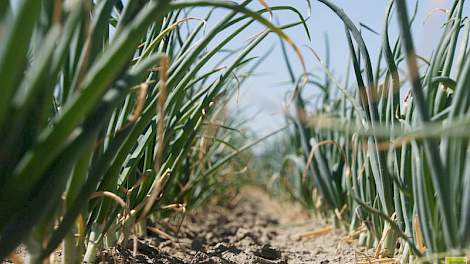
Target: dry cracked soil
[(251, 228)]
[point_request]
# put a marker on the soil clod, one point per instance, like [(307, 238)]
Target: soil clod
[(268, 252)]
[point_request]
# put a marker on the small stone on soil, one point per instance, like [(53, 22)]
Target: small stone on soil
[(197, 244), (268, 252)]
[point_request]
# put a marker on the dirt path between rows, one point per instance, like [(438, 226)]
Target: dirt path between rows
[(254, 228)]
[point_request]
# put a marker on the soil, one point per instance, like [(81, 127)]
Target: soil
[(252, 228)]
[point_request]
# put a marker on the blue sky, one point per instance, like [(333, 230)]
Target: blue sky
[(265, 92)]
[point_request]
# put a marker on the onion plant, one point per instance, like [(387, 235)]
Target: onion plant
[(387, 153), (110, 112)]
